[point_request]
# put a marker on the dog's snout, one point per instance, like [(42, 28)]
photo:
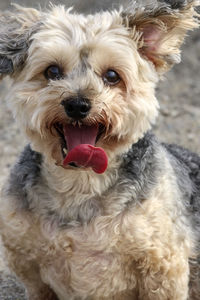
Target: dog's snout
[(76, 108)]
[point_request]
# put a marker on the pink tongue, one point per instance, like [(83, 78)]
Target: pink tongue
[(80, 143), (88, 156)]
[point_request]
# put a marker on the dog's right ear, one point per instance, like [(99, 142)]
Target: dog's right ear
[(16, 30)]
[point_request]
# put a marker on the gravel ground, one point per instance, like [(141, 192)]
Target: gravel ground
[(179, 120), (10, 288)]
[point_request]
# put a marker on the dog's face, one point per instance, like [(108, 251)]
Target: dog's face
[(89, 79), (86, 73)]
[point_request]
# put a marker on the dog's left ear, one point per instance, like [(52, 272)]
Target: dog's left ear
[(16, 29), (160, 30)]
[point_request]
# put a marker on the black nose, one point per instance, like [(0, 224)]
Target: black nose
[(76, 108)]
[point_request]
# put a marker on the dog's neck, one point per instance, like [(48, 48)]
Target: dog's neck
[(78, 181), (75, 195)]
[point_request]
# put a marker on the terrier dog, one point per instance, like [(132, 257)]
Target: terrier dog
[(96, 207)]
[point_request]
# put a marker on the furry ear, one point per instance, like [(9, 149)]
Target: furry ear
[(16, 29), (160, 30)]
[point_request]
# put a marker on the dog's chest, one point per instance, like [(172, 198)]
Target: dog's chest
[(88, 261)]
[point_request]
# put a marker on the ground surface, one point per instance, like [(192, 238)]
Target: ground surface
[(179, 120)]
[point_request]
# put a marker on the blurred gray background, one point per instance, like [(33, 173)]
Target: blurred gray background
[(179, 120), (85, 6)]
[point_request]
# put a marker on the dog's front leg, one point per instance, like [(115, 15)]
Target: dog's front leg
[(29, 274), (39, 291), (159, 249), (170, 286), (23, 246)]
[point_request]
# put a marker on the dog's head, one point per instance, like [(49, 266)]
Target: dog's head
[(89, 80)]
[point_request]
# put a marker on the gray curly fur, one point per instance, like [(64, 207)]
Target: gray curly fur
[(186, 165), (13, 44), (25, 175), (176, 4)]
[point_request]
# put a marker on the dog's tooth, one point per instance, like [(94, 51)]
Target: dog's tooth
[(65, 150)]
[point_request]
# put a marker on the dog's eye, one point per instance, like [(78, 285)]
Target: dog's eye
[(53, 72), (111, 77)]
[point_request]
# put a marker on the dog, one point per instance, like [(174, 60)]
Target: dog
[(96, 207)]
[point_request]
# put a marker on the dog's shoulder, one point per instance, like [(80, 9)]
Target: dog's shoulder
[(186, 165), (25, 174), (187, 161)]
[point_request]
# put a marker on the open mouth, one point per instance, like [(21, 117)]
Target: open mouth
[(78, 146)]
